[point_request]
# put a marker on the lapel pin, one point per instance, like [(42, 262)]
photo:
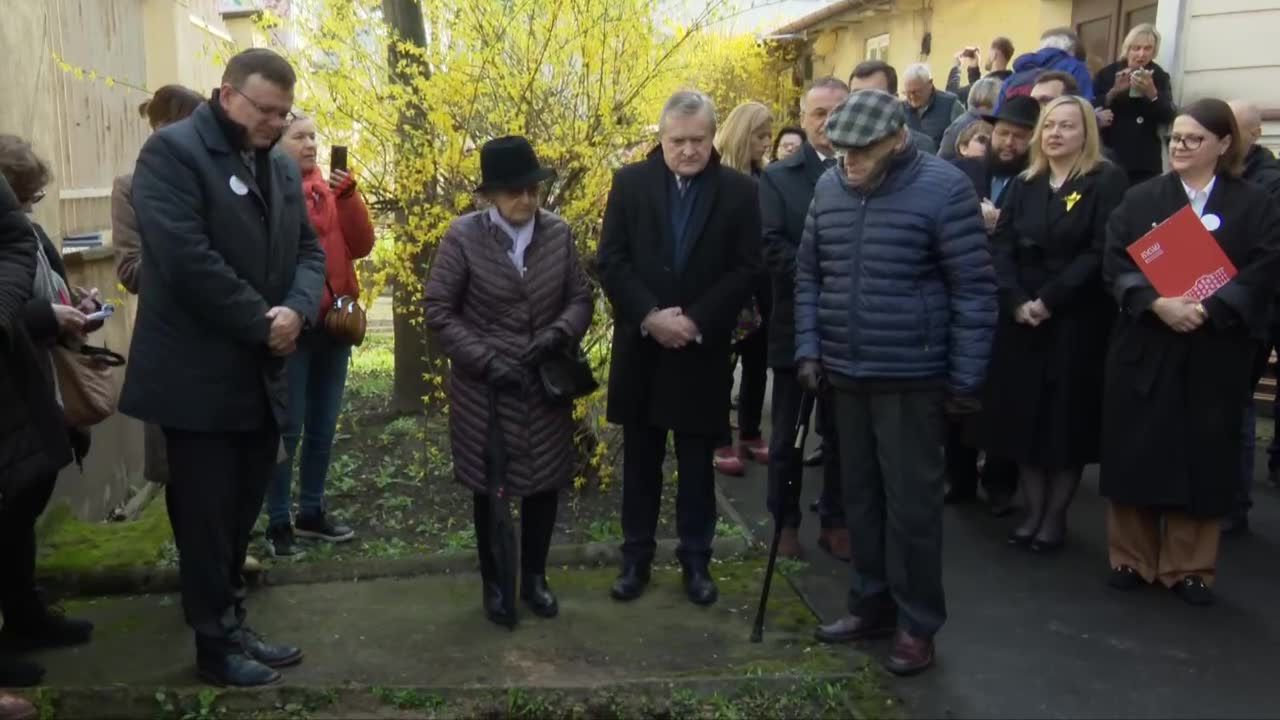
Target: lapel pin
[(1211, 222), (1071, 200), (238, 187)]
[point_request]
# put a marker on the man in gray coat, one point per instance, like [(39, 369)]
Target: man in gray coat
[(233, 273)]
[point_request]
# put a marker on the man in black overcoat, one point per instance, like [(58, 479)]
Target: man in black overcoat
[(679, 251), (233, 273)]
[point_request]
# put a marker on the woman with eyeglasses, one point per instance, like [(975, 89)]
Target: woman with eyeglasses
[(1041, 409), (1179, 371)]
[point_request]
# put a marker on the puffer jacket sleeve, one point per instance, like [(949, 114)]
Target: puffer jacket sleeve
[(807, 284), (445, 293), (576, 316), (971, 288)]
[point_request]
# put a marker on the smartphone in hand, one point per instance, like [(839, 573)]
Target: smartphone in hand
[(338, 158)]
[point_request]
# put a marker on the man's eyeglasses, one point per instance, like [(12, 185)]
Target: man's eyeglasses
[(286, 115), (1190, 142)]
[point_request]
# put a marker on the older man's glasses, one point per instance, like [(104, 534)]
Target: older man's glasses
[(286, 115), (1190, 142)]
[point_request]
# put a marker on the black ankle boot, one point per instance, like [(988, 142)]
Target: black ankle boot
[(494, 606), (631, 581), (698, 584), (538, 596), (41, 625), (16, 672)]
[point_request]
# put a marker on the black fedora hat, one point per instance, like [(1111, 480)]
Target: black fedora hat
[(510, 162), (1022, 110)]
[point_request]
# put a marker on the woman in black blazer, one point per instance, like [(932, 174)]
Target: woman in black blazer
[(1139, 97), (1179, 371), (1042, 402)]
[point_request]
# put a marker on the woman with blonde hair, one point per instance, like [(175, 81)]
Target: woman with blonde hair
[(743, 141), (1136, 96), (1042, 411)]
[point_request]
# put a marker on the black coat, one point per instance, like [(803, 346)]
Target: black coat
[(34, 442), (1134, 136), (221, 248), (1044, 392), (1174, 403), (1262, 169), (978, 171), (786, 189), (685, 390)]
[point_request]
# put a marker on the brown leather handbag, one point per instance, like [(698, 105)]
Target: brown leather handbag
[(345, 321), (86, 383)]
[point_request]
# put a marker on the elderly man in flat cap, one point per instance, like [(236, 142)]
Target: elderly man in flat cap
[(895, 311)]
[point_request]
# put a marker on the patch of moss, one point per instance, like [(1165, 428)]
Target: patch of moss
[(70, 545)]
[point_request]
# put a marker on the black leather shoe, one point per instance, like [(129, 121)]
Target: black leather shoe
[(1016, 539), (630, 583), (1047, 547), (235, 670), (538, 596), (275, 656), (46, 626), (493, 607), (852, 628), (699, 586), (16, 672), (1194, 591), (1124, 577)]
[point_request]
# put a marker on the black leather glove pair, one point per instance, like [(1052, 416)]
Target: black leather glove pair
[(502, 374), (810, 375), (546, 343)]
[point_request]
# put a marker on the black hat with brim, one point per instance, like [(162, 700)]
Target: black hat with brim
[(1022, 110), (508, 163)]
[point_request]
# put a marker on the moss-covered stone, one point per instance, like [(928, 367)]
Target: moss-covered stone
[(68, 545)]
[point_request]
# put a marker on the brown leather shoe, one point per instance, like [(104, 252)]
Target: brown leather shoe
[(852, 628), (13, 707), (910, 654), (836, 542), (789, 544)]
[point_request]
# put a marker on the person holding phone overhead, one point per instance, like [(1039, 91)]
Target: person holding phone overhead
[(317, 370), (1178, 371)]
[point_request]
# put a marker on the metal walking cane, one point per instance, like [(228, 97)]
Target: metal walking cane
[(801, 435)]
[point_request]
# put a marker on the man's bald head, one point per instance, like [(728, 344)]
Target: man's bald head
[(1249, 118)]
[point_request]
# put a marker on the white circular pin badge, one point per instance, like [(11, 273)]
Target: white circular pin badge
[(1211, 222), (238, 187)]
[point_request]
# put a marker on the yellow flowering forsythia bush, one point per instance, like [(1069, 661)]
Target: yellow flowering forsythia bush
[(584, 80)]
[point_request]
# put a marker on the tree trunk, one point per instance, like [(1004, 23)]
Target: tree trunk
[(404, 21)]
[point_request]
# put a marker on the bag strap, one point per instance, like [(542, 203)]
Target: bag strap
[(102, 355)]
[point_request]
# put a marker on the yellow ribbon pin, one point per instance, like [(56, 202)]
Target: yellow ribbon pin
[(1071, 200)]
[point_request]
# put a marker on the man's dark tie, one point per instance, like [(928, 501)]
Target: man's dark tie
[(828, 163)]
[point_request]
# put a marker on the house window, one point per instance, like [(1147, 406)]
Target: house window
[(878, 47)]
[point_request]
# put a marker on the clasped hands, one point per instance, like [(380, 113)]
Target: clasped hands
[(286, 324), (1032, 313), (671, 328), (1181, 314)]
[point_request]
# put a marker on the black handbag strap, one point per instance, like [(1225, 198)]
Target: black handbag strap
[(103, 355)]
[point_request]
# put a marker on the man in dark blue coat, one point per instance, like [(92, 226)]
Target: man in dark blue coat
[(786, 189), (895, 310), (233, 272)]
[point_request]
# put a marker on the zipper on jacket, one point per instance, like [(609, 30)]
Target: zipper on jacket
[(857, 283)]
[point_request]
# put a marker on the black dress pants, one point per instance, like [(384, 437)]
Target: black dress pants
[(537, 524), (999, 476), (217, 481), (786, 463), (18, 597), (891, 447), (643, 450)]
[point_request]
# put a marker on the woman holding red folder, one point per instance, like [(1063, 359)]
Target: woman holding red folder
[(1178, 371), (1041, 407)]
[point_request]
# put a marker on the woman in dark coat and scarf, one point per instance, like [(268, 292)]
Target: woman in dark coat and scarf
[(1138, 96), (1179, 371), (505, 292), (34, 441), (1042, 407)]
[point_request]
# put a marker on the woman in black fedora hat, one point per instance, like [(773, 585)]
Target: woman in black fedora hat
[(505, 293)]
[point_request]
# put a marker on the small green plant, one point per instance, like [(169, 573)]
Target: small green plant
[(791, 566), (401, 427), (461, 539), (409, 699), (206, 706), (528, 706), (387, 548), (602, 531)]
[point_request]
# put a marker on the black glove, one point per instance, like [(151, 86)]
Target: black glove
[(961, 405), (502, 374), (546, 343), (810, 376)]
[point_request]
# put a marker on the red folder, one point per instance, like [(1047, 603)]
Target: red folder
[(1181, 258)]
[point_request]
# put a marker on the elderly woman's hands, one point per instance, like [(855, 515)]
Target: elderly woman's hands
[(545, 343), (502, 374)]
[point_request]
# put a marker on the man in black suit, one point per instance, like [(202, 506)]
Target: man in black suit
[(233, 273), (679, 252), (786, 189)]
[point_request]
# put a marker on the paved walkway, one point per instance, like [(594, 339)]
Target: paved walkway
[(1046, 637)]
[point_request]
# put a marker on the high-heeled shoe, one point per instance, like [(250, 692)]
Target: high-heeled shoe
[(1047, 547), (1017, 539)]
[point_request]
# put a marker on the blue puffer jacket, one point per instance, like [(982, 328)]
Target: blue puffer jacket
[(898, 284)]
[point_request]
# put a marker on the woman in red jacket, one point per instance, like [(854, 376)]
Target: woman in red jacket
[(317, 371)]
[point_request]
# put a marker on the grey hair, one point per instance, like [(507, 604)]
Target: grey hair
[(688, 102), (1060, 39), (917, 71), (829, 82), (985, 92)]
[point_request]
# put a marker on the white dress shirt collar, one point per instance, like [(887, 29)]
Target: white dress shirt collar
[(1199, 198)]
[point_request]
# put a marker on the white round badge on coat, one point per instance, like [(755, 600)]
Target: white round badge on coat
[(1211, 222), (238, 187)]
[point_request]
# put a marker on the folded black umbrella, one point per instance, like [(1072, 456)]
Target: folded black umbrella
[(502, 534)]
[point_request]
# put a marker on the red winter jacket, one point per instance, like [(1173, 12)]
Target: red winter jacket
[(346, 233)]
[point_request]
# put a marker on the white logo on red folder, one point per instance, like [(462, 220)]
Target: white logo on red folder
[(1209, 284), (1150, 254)]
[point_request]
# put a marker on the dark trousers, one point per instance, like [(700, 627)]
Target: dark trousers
[(753, 352), (786, 462), (217, 481), (999, 476), (891, 450), (537, 524), (18, 514), (643, 450)]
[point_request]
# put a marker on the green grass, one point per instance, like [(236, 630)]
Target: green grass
[(70, 545), (372, 367)]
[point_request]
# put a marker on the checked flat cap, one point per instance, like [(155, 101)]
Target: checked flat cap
[(866, 117)]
